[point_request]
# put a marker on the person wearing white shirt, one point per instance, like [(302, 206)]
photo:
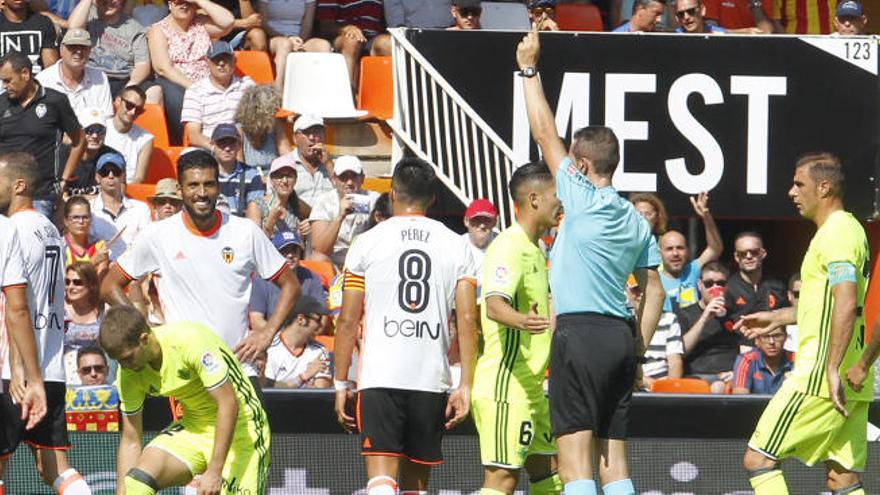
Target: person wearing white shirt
[(295, 359), (112, 211), (84, 86), (123, 135)]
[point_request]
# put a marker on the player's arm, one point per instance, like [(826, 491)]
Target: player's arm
[(258, 339), (714, 244), (346, 337), (842, 276), (129, 447), (763, 322), (541, 119), (651, 305), (227, 414), (498, 309), (18, 322), (459, 403), (114, 290), (859, 370)]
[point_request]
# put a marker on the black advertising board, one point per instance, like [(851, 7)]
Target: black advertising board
[(729, 114)]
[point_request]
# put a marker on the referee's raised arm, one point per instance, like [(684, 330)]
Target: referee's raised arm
[(541, 119)]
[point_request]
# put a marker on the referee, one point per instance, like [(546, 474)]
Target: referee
[(595, 349)]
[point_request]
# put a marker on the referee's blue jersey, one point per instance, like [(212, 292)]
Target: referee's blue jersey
[(601, 241)]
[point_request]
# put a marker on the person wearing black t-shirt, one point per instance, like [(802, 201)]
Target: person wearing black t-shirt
[(32, 33), (33, 119)]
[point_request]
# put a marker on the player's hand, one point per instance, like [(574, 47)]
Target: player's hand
[(209, 483), (534, 323), (856, 375), (255, 342), (837, 391), (529, 49), (458, 406), (347, 422), (33, 406), (757, 324), (701, 204)]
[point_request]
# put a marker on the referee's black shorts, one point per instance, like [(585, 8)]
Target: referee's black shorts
[(592, 371)]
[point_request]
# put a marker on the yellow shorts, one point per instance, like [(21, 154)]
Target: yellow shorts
[(808, 428), (247, 464), (510, 432)]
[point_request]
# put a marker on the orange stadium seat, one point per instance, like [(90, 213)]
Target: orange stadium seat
[(578, 17), (257, 65), (163, 163), (376, 89), (681, 386), (140, 191), (323, 269), (378, 184), (153, 120)]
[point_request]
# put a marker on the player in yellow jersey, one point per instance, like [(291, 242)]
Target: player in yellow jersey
[(509, 407), (223, 434), (815, 415)]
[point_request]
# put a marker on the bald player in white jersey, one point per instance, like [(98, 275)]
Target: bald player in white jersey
[(41, 248), (207, 260), (405, 274)]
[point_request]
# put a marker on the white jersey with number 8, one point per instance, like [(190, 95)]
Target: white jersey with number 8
[(410, 266)]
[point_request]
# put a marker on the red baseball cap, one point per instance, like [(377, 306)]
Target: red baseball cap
[(481, 208)]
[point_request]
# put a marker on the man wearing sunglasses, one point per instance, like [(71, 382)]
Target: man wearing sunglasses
[(112, 210), (296, 359), (91, 366), (466, 14), (543, 12), (132, 141), (690, 15)]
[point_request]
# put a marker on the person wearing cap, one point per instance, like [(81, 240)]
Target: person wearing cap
[(166, 200), (850, 19), (544, 13), (112, 210), (83, 182), (84, 86), (480, 219), (310, 158), (135, 143), (32, 119), (28, 31), (338, 216), (240, 185), (214, 99), (296, 359), (281, 208), (264, 295), (466, 14)]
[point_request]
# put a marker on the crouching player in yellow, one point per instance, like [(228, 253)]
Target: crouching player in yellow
[(509, 407), (223, 434)]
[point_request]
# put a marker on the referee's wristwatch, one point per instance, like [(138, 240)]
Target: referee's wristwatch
[(528, 72)]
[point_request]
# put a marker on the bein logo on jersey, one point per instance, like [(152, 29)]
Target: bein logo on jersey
[(410, 329)]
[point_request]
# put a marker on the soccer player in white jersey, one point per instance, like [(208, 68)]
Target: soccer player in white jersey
[(41, 248), (206, 259), (405, 274)]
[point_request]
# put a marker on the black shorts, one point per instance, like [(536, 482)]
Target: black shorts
[(592, 371), (49, 433), (402, 423)]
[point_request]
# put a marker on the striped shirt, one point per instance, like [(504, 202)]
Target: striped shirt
[(666, 341), (805, 16), (365, 14), (211, 106)]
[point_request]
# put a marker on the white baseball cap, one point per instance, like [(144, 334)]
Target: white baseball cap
[(347, 163)]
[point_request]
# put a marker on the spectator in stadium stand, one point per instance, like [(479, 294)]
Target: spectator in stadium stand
[(32, 119), (135, 144), (748, 291), (418, 13), (179, 46), (112, 211), (290, 25), (543, 12), (466, 14), (710, 349), (802, 16), (240, 184), (248, 28), (762, 370), (80, 244), (166, 200), (381, 210), (651, 207), (356, 27), (850, 19), (664, 354), (92, 366), (264, 295), (84, 86), (213, 100), (646, 15), (263, 136), (29, 31), (82, 182), (311, 160), (83, 311), (119, 46), (791, 329), (296, 359), (282, 209), (691, 18), (480, 219), (680, 273), (738, 16), (340, 215)]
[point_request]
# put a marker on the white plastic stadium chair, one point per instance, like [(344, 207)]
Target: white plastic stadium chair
[(318, 84), (510, 16)]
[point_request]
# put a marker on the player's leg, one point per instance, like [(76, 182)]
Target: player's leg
[(156, 469), (499, 474), (381, 420), (382, 474), (247, 464), (424, 425), (541, 464), (55, 471), (414, 477), (848, 452), (613, 468)]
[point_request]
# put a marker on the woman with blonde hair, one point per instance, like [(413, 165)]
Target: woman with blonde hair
[(263, 136), (650, 206)]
